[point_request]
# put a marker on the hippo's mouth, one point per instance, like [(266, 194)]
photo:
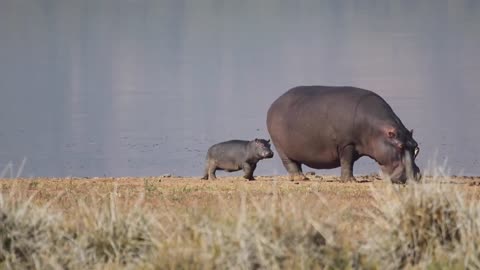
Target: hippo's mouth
[(268, 155), (394, 173), (400, 171)]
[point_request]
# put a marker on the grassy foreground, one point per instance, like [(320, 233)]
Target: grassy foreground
[(271, 223)]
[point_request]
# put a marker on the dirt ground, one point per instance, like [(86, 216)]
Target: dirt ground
[(191, 190), (347, 204)]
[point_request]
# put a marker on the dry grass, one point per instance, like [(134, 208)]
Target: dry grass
[(271, 223)]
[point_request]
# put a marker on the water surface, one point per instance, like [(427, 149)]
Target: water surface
[(134, 88)]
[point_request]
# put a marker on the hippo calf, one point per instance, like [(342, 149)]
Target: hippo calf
[(236, 155), (326, 127)]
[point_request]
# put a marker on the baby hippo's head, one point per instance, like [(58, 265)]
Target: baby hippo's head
[(262, 148)]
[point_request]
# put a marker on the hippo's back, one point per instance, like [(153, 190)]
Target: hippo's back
[(322, 105), (304, 95), (227, 149)]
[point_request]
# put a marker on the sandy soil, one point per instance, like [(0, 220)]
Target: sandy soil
[(324, 196), (188, 191)]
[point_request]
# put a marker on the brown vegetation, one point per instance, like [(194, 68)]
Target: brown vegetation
[(272, 223)]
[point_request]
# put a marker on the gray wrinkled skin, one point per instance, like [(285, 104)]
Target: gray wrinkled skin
[(326, 127), (236, 155)]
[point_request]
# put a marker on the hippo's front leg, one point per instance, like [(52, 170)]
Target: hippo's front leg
[(294, 169), (248, 169), (346, 163)]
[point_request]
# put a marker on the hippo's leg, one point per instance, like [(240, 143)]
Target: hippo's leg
[(248, 170), (205, 174), (293, 168), (347, 157), (212, 168)]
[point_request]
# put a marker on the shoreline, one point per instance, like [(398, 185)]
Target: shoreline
[(282, 178)]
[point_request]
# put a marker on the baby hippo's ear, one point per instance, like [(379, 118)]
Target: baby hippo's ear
[(268, 140)]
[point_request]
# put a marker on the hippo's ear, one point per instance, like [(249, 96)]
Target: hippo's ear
[(268, 140), (411, 132)]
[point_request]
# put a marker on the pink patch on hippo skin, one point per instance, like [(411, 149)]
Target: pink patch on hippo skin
[(392, 134), (390, 131)]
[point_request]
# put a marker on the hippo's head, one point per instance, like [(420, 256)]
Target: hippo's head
[(262, 148), (396, 151)]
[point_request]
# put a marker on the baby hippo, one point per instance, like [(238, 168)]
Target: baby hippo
[(236, 155)]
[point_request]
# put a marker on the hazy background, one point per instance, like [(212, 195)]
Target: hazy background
[(133, 88)]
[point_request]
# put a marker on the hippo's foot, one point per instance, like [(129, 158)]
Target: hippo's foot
[(298, 177), (204, 178), (251, 178), (348, 179)]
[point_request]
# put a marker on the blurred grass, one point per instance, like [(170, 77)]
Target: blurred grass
[(185, 223)]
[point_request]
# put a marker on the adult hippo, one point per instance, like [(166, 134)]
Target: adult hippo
[(326, 127)]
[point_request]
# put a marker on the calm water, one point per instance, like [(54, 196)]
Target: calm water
[(132, 87)]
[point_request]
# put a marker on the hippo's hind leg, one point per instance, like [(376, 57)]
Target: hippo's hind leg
[(347, 157), (293, 168), (212, 168), (248, 169), (205, 173)]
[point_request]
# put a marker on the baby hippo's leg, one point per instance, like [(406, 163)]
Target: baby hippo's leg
[(248, 169)]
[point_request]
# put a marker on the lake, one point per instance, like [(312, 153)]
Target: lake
[(138, 88)]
